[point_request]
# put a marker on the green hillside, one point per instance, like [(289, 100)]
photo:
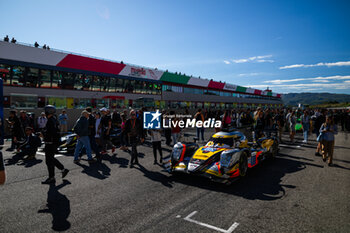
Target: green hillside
[(293, 99)]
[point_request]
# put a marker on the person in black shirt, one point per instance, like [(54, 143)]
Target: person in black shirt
[(259, 125), (105, 127), (25, 120), (134, 131), (51, 134), (15, 128), (279, 119), (116, 119)]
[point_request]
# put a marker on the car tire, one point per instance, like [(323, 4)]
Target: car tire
[(243, 164), (274, 149)]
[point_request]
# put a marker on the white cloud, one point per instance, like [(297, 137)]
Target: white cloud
[(249, 74), (279, 81), (240, 60), (265, 60), (319, 79), (328, 64), (254, 59), (103, 12), (227, 62)]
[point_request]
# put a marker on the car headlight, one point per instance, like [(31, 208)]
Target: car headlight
[(228, 158), (69, 140), (177, 151)]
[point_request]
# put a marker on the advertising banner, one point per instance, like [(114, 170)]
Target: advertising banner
[(140, 72), (230, 87)]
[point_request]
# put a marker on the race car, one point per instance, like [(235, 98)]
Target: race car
[(69, 141), (226, 156)]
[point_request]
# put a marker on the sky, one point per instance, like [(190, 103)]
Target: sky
[(288, 46)]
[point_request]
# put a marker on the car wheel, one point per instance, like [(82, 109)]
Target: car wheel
[(243, 164), (274, 149)]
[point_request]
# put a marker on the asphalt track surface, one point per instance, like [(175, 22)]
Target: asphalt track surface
[(296, 192)]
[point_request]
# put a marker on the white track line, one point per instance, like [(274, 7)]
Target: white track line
[(56, 156), (230, 230), (286, 145)]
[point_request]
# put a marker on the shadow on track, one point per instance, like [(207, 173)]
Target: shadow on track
[(261, 183), (155, 176), (97, 170), (113, 159), (18, 160), (58, 206)]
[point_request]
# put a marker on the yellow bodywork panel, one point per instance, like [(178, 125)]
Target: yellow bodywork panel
[(204, 154), (267, 143)]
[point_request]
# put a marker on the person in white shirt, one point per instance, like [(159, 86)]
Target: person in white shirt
[(42, 120), (156, 139)]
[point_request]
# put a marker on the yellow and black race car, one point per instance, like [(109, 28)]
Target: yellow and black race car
[(225, 157)]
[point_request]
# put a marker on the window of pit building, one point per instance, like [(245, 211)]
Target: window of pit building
[(128, 87), (57, 101), (212, 92), (32, 78), (100, 103), (139, 86), (82, 82), (24, 101), (158, 88), (45, 79), (112, 84), (56, 79), (119, 85), (96, 86), (5, 74), (189, 90), (104, 83), (82, 103), (150, 88), (225, 93), (172, 88), (67, 81), (18, 76)]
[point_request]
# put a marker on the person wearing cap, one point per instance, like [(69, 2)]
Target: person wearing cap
[(134, 131), (81, 128), (105, 128), (42, 120), (51, 134)]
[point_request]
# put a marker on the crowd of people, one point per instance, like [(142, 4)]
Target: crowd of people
[(93, 131)]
